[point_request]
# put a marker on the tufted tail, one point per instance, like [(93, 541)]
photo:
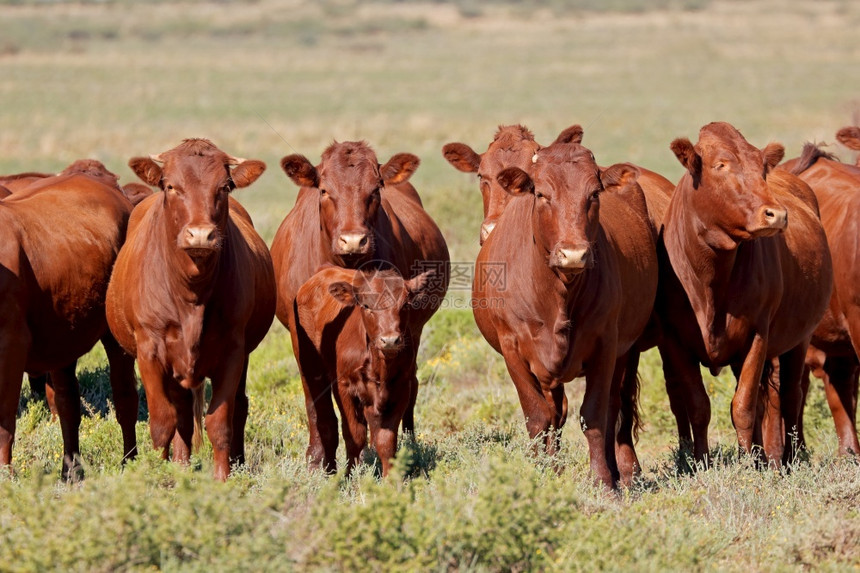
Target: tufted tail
[(199, 394)]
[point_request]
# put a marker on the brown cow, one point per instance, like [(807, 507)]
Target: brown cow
[(353, 328), (578, 288), (745, 278), (353, 212), (59, 238), (192, 294), (850, 138), (833, 355), (515, 146)]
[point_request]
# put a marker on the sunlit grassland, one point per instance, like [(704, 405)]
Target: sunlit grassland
[(265, 79)]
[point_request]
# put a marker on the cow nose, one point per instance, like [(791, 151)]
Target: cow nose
[(353, 243), (486, 229), (579, 258), (774, 217), (390, 341), (201, 237)]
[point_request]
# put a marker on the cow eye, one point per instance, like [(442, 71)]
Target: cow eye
[(595, 195), (323, 193)]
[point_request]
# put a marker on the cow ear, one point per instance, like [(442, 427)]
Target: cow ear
[(515, 181), (418, 286), (686, 154), (399, 168), (299, 169), (247, 172), (620, 175), (773, 154), (462, 157), (572, 134), (136, 192), (343, 293), (849, 137), (148, 170)]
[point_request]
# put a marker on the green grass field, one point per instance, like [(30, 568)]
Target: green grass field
[(264, 79)]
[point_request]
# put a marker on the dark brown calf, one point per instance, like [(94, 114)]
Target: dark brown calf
[(191, 295), (353, 212), (835, 344), (59, 238), (745, 278), (354, 334), (580, 276)]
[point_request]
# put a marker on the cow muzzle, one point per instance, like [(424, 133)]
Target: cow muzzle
[(353, 244), (390, 343), (771, 220), (572, 260), (200, 240)]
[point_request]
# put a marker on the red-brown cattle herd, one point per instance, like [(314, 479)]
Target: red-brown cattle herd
[(747, 262)]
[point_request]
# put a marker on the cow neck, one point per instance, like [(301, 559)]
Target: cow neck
[(704, 271), (191, 284)]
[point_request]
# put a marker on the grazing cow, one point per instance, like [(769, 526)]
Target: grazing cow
[(60, 236), (833, 355), (191, 295), (353, 328), (579, 281), (353, 212), (515, 146), (850, 138), (745, 278)]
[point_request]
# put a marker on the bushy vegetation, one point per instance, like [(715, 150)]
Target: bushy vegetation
[(263, 79)]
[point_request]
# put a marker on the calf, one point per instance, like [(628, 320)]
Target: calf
[(580, 276), (833, 354), (353, 328), (59, 238), (353, 212), (191, 295), (745, 278)]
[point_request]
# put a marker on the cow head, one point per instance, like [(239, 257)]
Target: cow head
[(349, 181), (565, 185), (729, 187), (94, 169), (850, 138), (196, 178), (384, 300), (512, 146)]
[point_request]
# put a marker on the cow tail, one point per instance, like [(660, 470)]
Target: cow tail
[(630, 386), (810, 154), (199, 399)]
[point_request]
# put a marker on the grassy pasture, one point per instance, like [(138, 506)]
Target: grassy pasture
[(265, 78)]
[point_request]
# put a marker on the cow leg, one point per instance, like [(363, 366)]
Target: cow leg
[(804, 392), (14, 346), (840, 386), (353, 426), (41, 386), (222, 408), (124, 390), (769, 411), (594, 413), (625, 401), (744, 402), (539, 414), (182, 400), (688, 398), (408, 424), (162, 413), (791, 398), (384, 424), (68, 401), (240, 419)]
